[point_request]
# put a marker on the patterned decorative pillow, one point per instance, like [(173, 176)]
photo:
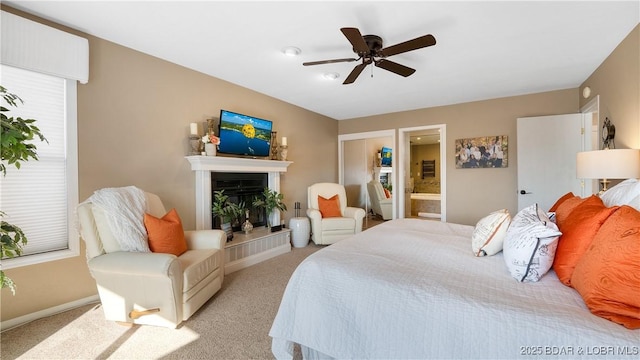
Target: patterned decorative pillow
[(489, 233), (530, 244), (607, 276)]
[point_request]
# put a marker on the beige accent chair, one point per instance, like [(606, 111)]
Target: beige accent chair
[(380, 204), (325, 231), (151, 288)]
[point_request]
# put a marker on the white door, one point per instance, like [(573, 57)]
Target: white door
[(547, 148)]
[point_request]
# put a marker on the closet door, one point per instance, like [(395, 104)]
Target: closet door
[(547, 148)]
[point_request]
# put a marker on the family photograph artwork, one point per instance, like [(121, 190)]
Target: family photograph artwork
[(482, 152)]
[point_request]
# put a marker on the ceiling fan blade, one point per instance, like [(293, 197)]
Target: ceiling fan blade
[(394, 67), (328, 61), (356, 40), (417, 43), (355, 73)]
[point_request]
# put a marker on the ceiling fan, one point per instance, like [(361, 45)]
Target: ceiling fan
[(370, 51)]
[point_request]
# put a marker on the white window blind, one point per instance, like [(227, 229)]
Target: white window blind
[(35, 197)]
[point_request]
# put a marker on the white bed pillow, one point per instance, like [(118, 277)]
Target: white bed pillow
[(624, 193), (489, 233), (530, 244)]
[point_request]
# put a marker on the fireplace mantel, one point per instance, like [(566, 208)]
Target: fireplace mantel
[(204, 165)]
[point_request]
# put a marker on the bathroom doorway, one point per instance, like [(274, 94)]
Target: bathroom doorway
[(422, 172)]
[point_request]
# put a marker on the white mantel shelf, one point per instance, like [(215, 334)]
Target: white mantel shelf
[(205, 165), (234, 164)]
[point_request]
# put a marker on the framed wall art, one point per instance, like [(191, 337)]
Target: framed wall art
[(482, 152)]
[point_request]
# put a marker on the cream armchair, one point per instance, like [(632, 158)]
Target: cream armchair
[(146, 287), (380, 204), (328, 230)]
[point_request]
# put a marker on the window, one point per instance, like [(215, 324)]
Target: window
[(41, 196)]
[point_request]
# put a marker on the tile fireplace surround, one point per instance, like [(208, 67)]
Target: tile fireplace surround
[(205, 165)]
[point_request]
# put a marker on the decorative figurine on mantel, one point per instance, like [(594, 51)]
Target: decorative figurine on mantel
[(274, 145)]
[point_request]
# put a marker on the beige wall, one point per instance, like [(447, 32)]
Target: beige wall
[(617, 81), (133, 124), (472, 194)]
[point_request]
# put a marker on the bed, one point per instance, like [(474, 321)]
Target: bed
[(412, 289)]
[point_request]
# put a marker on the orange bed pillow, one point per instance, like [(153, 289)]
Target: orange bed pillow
[(166, 235), (565, 208), (329, 207), (607, 276), (564, 197), (578, 230)]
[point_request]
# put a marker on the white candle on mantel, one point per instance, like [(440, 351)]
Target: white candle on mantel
[(194, 128), (284, 141)]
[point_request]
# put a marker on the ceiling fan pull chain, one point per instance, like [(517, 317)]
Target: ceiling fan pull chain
[(372, 72)]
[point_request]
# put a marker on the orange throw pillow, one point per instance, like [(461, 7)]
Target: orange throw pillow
[(329, 207), (607, 276), (166, 235), (578, 230), (564, 197), (387, 193), (565, 208)]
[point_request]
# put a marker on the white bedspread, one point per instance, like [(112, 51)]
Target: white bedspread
[(412, 289)]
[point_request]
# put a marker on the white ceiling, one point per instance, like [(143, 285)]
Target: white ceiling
[(484, 49)]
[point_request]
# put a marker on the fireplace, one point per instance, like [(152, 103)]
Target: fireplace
[(204, 166), (241, 188)]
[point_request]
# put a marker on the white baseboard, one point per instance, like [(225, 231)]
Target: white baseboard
[(21, 320), (254, 259)]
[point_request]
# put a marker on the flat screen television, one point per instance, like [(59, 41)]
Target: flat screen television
[(386, 156), (244, 135)]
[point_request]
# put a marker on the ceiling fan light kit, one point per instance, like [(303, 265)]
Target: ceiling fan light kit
[(291, 51), (331, 75), (370, 50)]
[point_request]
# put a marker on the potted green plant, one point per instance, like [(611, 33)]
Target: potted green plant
[(15, 147), (270, 201), (228, 212)]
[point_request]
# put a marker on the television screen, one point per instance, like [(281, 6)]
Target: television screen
[(386, 156), (244, 135)]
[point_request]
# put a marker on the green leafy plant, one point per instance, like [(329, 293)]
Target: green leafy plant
[(17, 133), (270, 201), (227, 211), (15, 147)]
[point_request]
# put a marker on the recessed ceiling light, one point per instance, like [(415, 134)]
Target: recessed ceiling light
[(291, 51), (331, 75)]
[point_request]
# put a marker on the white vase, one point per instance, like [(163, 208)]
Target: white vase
[(210, 149)]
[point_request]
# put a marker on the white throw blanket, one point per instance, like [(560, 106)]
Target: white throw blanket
[(125, 208)]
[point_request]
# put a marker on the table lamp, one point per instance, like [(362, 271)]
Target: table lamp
[(608, 164)]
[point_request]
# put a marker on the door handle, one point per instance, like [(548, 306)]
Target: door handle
[(523, 192)]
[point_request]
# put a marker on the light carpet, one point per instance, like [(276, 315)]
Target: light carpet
[(234, 324)]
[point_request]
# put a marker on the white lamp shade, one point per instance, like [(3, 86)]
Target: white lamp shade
[(608, 164)]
